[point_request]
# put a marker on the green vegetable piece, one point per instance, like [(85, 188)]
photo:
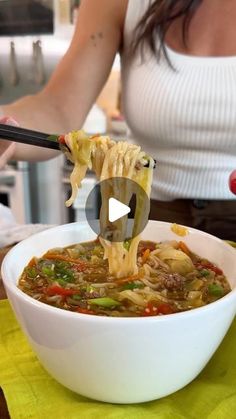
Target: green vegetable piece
[(76, 297), (90, 288), (97, 251), (104, 302), (204, 272), (216, 290), (60, 281), (132, 286), (48, 270), (31, 272), (63, 272), (53, 138), (127, 244)]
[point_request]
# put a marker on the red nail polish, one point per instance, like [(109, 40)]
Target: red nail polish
[(232, 182)]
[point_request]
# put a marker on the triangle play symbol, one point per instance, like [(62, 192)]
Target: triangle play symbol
[(116, 209)]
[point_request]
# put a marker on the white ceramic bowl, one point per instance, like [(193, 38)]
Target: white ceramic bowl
[(121, 360)]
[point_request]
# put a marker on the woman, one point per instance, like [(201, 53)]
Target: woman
[(178, 82)]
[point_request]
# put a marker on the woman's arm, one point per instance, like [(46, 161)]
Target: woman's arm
[(78, 79)]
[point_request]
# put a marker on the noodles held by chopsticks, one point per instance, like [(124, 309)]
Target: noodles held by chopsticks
[(112, 160)]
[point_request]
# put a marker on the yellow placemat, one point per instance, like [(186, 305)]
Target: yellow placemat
[(31, 393)]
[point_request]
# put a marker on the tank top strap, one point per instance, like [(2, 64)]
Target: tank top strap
[(135, 11)]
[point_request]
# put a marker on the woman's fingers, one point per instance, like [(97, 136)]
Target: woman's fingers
[(8, 120), (6, 153), (7, 148)]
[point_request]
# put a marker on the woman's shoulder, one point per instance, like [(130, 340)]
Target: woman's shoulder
[(135, 10)]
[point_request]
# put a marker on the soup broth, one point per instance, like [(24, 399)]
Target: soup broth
[(170, 279)]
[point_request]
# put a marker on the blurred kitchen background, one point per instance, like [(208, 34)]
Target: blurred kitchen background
[(34, 35)]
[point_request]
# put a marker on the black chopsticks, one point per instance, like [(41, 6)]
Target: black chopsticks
[(36, 138), (26, 136)]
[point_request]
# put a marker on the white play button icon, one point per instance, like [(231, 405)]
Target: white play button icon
[(116, 210)]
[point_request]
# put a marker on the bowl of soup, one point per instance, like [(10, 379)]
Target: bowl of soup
[(133, 341)]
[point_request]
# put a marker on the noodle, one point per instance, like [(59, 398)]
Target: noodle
[(112, 160)]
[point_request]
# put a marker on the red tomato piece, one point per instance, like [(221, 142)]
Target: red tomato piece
[(57, 290), (209, 266), (61, 139), (165, 309), (84, 310), (152, 310)]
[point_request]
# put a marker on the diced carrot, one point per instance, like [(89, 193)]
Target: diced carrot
[(80, 262), (146, 254), (85, 311), (32, 262), (184, 248), (131, 278)]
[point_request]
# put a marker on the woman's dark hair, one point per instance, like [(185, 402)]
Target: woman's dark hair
[(156, 21)]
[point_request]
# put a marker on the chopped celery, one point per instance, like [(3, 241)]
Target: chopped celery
[(90, 288), (76, 297), (132, 286), (97, 250), (216, 290), (127, 244)]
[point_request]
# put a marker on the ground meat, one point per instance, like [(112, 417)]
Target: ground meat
[(93, 294), (173, 281), (138, 165)]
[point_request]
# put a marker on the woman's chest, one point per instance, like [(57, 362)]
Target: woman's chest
[(194, 102)]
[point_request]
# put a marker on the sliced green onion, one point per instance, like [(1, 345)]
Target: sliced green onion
[(48, 270), (31, 272), (60, 281), (104, 302), (53, 137), (63, 272)]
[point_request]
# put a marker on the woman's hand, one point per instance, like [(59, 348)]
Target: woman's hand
[(232, 182), (7, 148)]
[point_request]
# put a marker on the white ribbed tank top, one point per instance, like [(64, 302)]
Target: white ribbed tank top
[(186, 118)]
